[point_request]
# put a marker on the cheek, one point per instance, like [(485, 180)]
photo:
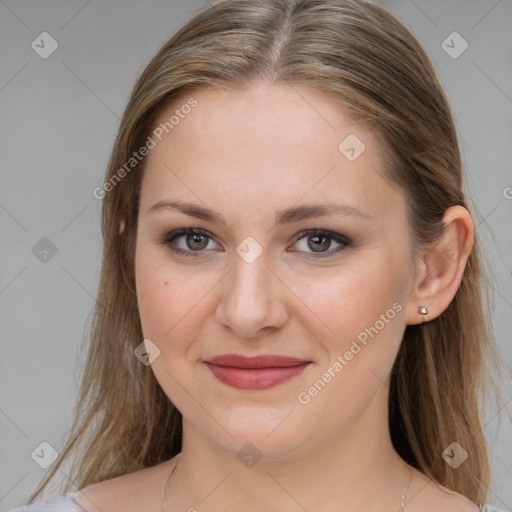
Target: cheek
[(171, 300), (362, 303), (364, 311), (152, 295)]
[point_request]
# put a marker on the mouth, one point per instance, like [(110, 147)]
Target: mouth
[(256, 373)]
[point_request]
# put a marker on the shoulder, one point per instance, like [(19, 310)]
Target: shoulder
[(448, 499), (126, 493), (453, 501), (131, 492), (434, 496), (59, 504)]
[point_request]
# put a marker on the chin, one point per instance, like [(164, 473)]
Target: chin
[(267, 434)]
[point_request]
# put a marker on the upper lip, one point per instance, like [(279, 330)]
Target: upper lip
[(262, 361)]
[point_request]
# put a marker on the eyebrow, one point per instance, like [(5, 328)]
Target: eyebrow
[(287, 216)]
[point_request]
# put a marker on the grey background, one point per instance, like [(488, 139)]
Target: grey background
[(58, 120)]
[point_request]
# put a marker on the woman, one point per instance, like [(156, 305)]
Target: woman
[(289, 313)]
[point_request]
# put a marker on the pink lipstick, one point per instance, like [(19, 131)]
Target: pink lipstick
[(260, 372)]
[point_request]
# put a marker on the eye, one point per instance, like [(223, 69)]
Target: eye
[(194, 241), (320, 241)]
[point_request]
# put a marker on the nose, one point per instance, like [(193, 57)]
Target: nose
[(253, 299)]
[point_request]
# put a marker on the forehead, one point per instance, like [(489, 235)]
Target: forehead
[(272, 143), (262, 120)]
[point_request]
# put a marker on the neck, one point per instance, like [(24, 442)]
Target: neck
[(356, 470)]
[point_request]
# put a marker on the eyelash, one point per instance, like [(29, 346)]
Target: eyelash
[(341, 239)]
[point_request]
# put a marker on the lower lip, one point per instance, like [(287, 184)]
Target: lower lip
[(255, 378)]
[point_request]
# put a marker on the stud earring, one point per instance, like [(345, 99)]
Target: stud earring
[(422, 310)]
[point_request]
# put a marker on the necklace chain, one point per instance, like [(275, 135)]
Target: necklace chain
[(404, 495), (164, 492)]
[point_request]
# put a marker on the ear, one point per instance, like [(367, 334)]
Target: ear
[(441, 267)]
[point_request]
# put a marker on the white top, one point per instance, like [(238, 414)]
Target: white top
[(69, 504)]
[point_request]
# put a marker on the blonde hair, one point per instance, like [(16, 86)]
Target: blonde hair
[(363, 58)]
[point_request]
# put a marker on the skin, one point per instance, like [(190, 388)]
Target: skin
[(247, 154)]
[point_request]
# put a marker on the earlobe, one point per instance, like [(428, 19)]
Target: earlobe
[(422, 310), (443, 267)]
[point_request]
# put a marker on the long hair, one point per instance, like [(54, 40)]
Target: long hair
[(366, 60)]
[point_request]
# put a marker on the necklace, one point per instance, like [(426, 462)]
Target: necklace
[(164, 492), (402, 503)]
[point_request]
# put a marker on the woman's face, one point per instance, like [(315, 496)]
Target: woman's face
[(251, 168)]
